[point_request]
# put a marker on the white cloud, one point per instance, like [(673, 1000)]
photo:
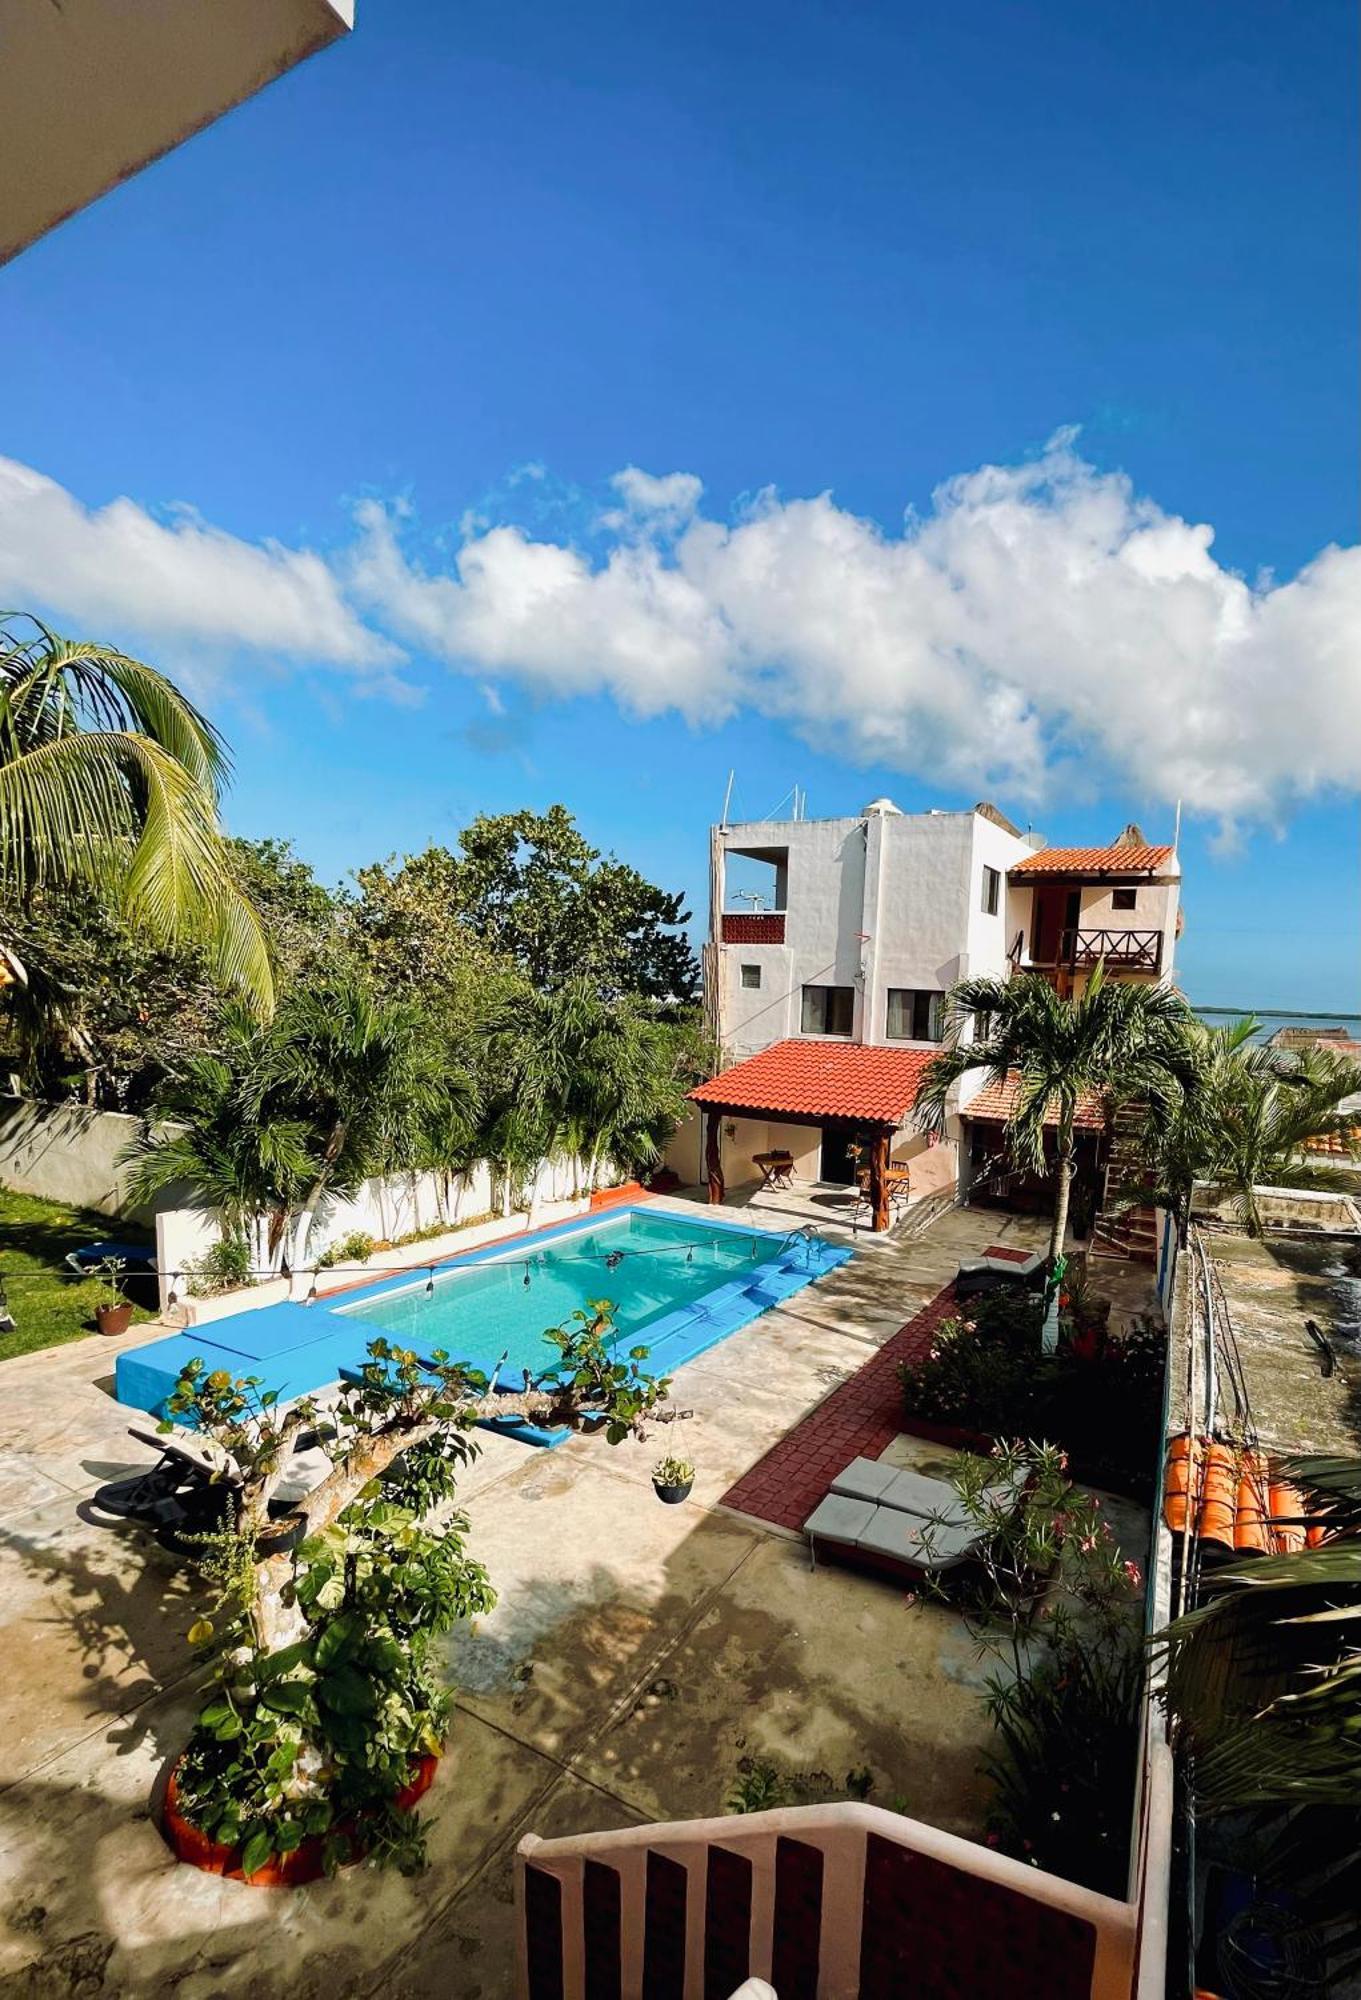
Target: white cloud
[(117, 570), (1040, 619), (652, 503), (1041, 627)]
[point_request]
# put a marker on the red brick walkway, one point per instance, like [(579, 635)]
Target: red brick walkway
[(855, 1421)]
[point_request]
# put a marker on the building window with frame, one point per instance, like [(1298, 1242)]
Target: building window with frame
[(828, 1010), (751, 976), (992, 891), (1124, 899), (914, 1014)]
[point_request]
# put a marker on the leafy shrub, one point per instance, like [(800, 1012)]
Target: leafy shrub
[(223, 1267), (356, 1248), (980, 1373), (1099, 1398), (1056, 1605)]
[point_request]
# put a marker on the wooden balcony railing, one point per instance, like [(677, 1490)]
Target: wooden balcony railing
[(753, 927), (1131, 950)]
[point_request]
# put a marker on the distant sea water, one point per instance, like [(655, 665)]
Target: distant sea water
[(1219, 1017)]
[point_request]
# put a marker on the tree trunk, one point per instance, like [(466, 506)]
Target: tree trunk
[(879, 1146), (713, 1156), (335, 1146), (1062, 1190)]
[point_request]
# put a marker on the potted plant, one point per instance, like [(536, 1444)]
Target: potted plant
[(113, 1313), (672, 1479), (327, 1713)]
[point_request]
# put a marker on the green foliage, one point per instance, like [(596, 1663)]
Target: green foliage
[(1245, 1122), (109, 779), (355, 1248), (673, 1472), (1098, 1398), (761, 1784), (1122, 1041), (49, 1304), (587, 1379), (541, 896), (318, 1736), (1056, 1606), (223, 1267)]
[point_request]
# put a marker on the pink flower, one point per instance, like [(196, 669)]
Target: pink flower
[(1134, 1573), (994, 1839)]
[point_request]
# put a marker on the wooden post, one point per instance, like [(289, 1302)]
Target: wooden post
[(713, 1158), (879, 1179)]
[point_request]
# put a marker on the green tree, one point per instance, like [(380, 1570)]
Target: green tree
[(1247, 1123), (596, 1078), (248, 1159), (368, 1077), (537, 893), (1121, 1040), (109, 783)]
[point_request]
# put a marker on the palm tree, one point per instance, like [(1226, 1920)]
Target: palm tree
[(109, 783), (1118, 1039), (1247, 1124), (1263, 1690), (368, 1078), (245, 1160)]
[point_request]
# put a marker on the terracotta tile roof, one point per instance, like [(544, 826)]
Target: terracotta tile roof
[(1094, 861), (1231, 1496), (1343, 1145), (999, 1101), (822, 1080)]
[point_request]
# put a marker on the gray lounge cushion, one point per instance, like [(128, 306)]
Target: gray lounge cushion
[(933, 1545), (914, 1493), (840, 1518), (865, 1479)]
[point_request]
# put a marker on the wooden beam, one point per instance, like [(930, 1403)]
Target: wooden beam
[(713, 1155), (879, 1147)]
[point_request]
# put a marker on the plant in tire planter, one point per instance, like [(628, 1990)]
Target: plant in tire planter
[(672, 1479), (113, 1313)]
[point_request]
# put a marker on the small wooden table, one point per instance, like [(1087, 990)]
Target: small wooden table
[(777, 1169)]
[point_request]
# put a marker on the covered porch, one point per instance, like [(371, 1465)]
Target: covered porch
[(805, 1115)]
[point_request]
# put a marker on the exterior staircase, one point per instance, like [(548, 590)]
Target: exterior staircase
[(1128, 1234), (835, 1902)]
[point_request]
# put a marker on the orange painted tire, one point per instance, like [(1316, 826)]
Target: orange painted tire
[(306, 1863)]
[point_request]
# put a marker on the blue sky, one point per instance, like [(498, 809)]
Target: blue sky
[(469, 265)]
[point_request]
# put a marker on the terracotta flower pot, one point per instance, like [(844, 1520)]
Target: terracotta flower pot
[(113, 1319), (282, 1871)]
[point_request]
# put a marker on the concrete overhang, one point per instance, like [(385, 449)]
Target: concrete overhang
[(93, 90)]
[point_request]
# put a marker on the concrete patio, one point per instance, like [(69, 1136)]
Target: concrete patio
[(637, 1655)]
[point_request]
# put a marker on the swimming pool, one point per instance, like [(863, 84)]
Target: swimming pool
[(677, 1286), (673, 1285)]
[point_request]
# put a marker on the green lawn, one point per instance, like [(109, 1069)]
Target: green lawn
[(49, 1305)]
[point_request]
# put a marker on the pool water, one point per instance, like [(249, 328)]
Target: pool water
[(657, 1272)]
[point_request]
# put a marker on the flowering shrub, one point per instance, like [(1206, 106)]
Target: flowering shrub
[(1056, 1605), (1099, 1397)]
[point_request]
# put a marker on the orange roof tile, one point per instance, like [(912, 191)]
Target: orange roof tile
[(797, 1079), (999, 1101), (1231, 1496), (1094, 861)]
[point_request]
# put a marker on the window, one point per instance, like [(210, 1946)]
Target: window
[(992, 891), (751, 975), (828, 1010), (913, 1015), (1124, 899)]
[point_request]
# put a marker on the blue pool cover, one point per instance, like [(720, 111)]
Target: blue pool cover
[(298, 1349)]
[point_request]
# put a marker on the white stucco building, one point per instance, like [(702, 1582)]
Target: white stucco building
[(850, 932)]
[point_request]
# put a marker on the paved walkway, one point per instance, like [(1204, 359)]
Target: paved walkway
[(637, 1655), (858, 1420)]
